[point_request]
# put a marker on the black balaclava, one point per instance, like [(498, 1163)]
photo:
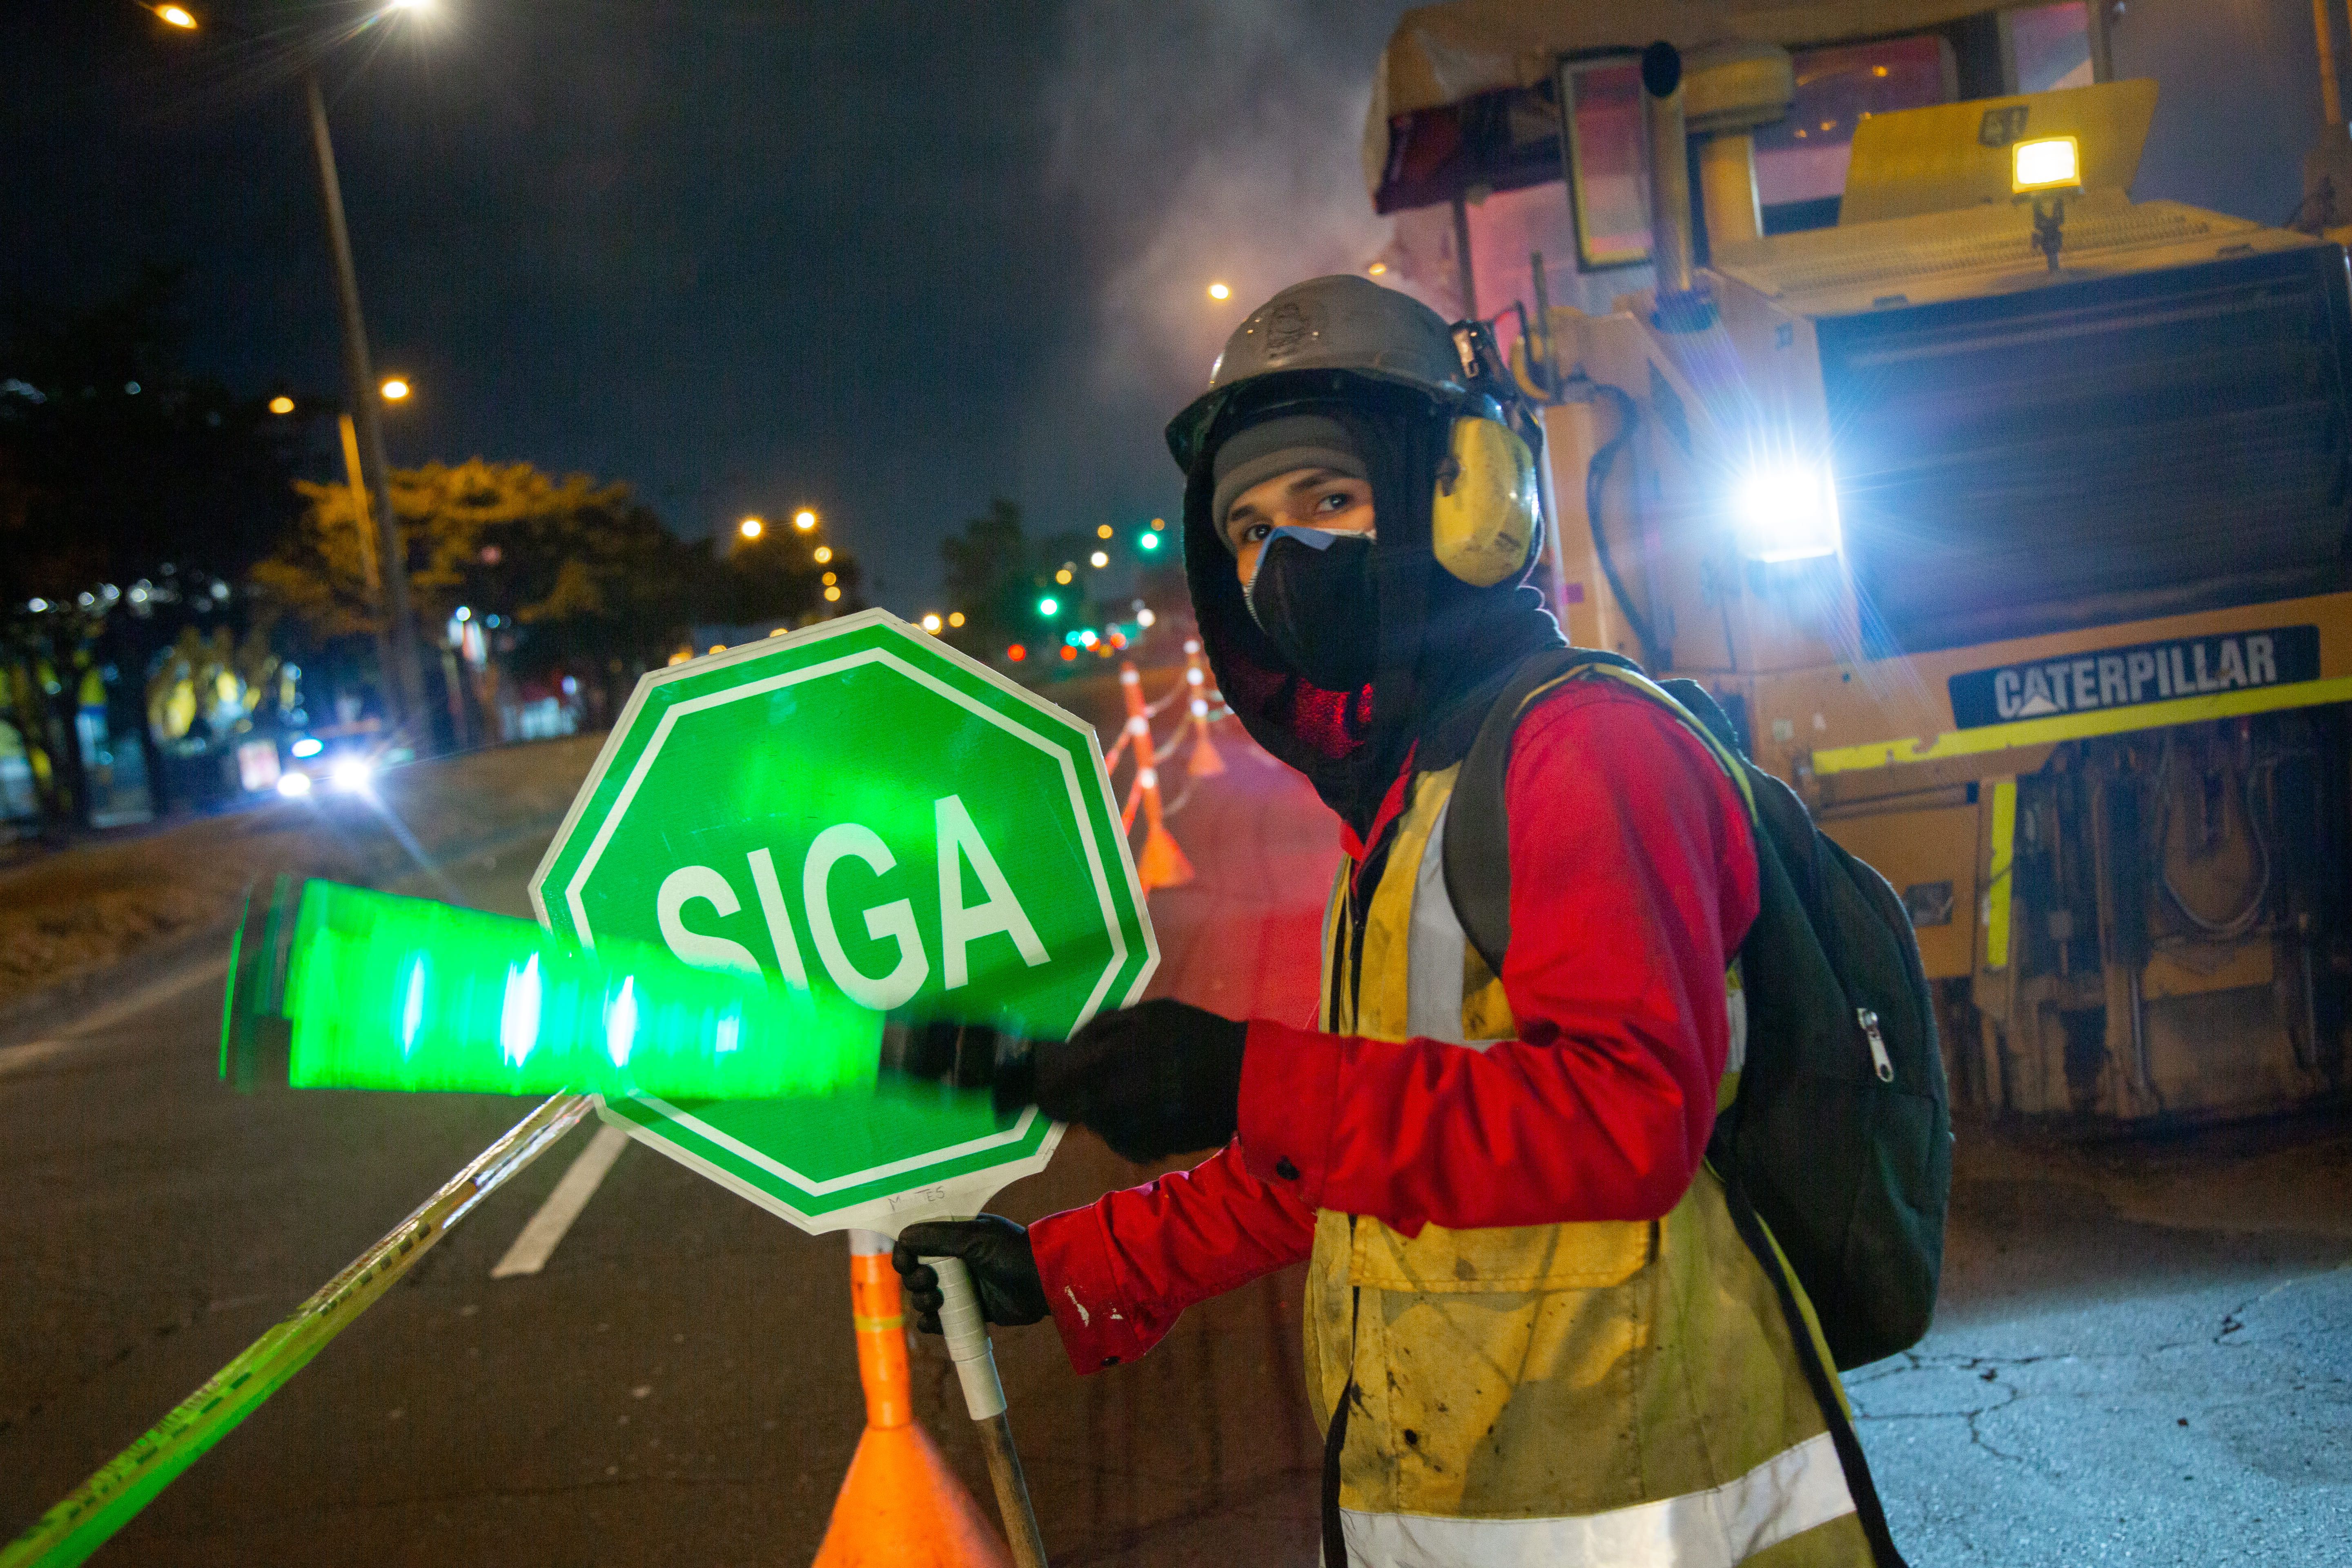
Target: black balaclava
[(1443, 645)]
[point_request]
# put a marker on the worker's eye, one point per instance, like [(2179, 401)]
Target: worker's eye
[(1255, 533), (1334, 501)]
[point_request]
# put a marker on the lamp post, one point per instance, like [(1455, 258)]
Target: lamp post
[(404, 672)]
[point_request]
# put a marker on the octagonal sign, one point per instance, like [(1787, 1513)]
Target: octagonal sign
[(858, 808)]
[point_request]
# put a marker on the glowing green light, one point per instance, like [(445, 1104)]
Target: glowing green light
[(1049, 607), (518, 1012), (391, 993), (1148, 541), (412, 1008)]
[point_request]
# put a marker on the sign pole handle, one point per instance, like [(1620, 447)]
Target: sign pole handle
[(966, 1332)]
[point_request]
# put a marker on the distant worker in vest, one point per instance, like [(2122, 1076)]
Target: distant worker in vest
[(1534, 1334)]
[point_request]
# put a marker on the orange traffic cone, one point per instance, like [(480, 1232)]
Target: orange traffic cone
[(1204, 762), (900, 1506), (1161, 864)]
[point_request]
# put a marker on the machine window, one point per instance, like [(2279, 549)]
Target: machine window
[(2048, 47), (1608, 173), (1801, 160)]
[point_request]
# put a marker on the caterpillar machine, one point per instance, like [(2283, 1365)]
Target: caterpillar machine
[(2008, 515)]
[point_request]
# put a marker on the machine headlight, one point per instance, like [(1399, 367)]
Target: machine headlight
[(2045, 163), (293, 786), (1788, 511), (353, 776)]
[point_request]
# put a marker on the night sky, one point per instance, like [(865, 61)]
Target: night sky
[(887, 260)]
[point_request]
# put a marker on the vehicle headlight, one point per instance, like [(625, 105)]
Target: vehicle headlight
[(292, 785), (351, 774), (1787, 511)]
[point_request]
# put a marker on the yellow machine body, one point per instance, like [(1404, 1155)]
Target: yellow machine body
[(2153, 770), (2010, 518)]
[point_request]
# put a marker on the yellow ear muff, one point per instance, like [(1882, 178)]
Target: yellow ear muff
[(1482, 521)]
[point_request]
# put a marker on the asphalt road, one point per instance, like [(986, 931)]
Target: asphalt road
[(2142, 1357)]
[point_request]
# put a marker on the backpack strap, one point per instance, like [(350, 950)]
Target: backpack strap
[(1478, 849), (1869, 1511)]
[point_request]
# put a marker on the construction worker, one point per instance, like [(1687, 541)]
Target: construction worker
[(1533, 1333)]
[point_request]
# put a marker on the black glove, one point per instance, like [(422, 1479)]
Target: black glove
[(1003, 1268), (1153, 1080)]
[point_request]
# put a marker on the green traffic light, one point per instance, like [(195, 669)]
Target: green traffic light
[(1148, 541), (1049, 607)]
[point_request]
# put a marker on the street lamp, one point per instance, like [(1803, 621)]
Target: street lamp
[(281, 404), (394, 389), (1219, 291), (804, 520), (750, 528), (405, 671), (822, 552)]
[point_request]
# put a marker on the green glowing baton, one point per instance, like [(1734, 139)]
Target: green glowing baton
[(389, 992)]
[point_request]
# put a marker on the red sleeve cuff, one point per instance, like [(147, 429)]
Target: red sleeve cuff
[(1074, 1263), (1290, 1091)]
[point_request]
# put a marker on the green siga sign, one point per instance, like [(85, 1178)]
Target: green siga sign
[(860, 809)]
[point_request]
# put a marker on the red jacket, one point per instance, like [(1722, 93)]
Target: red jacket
[(1633, 882)]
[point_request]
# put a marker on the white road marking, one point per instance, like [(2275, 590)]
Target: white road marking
[(85, 1031), (538, 1241)]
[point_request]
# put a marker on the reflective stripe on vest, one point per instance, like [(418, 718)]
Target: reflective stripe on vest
[(1438, 989), (1780, 1498)]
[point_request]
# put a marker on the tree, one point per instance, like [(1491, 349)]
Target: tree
[(778, 577), (565, 571), (993, 576)]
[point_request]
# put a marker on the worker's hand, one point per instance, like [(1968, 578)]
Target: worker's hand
[(1003, 1268), (1153, 1080)]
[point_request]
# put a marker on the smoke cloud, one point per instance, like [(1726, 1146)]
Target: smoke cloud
[(1196, 143)]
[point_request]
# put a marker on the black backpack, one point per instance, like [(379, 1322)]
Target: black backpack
[(1840, 1137)]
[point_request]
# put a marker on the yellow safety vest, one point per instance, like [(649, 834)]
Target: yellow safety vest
[(1611, 1393)]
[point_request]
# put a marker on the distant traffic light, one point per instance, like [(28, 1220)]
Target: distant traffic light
[(1049, 607), (1148, 541)]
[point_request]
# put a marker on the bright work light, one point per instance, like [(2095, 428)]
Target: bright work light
[(2045, 163), (1787, 511)]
